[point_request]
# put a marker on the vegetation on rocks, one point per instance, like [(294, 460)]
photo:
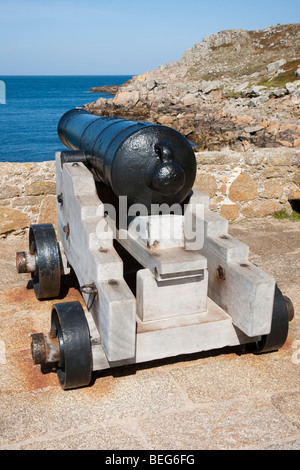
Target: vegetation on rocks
[(231, 82), (283, 215)]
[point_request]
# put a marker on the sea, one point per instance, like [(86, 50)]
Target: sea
[(31, 106)]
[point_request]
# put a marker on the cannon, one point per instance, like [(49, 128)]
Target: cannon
[(159, 276), (146, 162)]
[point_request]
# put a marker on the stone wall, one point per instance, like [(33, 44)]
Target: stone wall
[(250, 184), (27, 195)]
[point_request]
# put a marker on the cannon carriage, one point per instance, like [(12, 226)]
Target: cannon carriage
[(159, 274)]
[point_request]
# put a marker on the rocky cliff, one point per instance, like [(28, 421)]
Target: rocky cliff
[(235, 90)]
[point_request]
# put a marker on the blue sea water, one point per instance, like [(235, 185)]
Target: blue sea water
[(33, 107)]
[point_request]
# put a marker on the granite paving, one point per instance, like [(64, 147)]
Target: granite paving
[(222, 399)]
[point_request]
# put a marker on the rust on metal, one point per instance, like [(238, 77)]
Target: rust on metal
[(66, 229), (289, 307), (45, 348), (25, 262), (245, 265), (89, 289), (221, 273), (38, 348), (21, 264), (52, 348)]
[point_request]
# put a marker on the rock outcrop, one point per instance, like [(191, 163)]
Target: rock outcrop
[(236, 89), (111, 89)]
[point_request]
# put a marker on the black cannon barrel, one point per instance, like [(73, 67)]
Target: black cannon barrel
[(148, 163)]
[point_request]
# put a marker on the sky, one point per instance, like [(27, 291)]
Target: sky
[(120, 37)]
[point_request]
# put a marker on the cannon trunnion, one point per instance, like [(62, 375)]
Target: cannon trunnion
[(154, 284)]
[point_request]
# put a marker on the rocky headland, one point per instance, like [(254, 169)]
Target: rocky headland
[(111, 89), (234, 90), (236, 95)]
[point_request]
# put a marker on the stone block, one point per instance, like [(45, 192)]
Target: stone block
[(5, 202), (39, 187), (272, 189), (27, 201), (280, 158), (48, 211), (260, 208), (12, 220), (294, 193), (206, 183), (296, 178), (8, 191), (230, 211), (157, 300), (243, 189)]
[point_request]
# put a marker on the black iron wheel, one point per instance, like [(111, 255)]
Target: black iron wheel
[(47, 277), (69, 324), (279, 327)]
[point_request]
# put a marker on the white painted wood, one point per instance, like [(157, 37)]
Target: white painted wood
[(202, 332), (172, 337), (94, 260), (172, 298), (198, 197), (163, 263), (159, 231), (247, 292), (172, 313)]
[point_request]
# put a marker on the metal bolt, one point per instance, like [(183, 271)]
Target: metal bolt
[(221, 273), (245, 265), (289, 307), (38, 348), (21, 262), (89, 289), (25, 262), (44, 348), (60, 198), (66, 228)]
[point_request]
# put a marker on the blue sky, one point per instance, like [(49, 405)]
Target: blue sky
[(116, 37)]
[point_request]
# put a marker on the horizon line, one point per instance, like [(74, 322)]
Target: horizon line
[(70, 75)]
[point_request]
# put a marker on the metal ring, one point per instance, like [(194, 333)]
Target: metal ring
[(279, 327), (74, 368), (89, 289), (47, 277)]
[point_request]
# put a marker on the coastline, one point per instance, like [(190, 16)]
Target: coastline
[(220, 102)]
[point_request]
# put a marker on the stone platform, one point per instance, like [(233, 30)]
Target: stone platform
[(220, 399)]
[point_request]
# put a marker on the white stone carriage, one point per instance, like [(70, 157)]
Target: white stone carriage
[(184, 300)]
